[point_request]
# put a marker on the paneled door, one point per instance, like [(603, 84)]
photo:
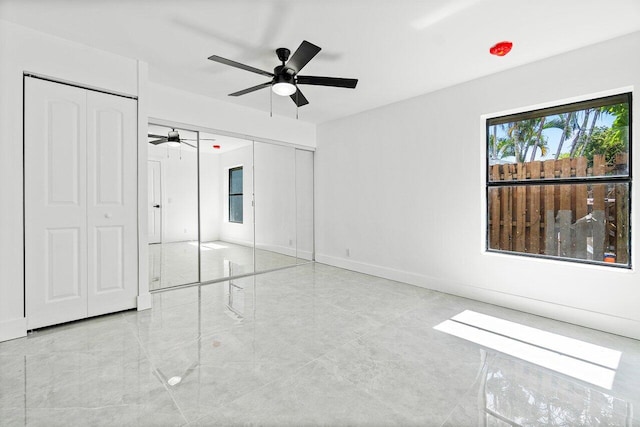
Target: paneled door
[(55, 203), (80, 203), (112, 214), (154, 205)]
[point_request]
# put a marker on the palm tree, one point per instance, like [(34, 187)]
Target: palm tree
[(587, 138), (540, 140), (564, 122), (580, 132), (521, 136)]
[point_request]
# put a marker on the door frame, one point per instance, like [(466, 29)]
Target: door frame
[(143, 296), (161, 201)]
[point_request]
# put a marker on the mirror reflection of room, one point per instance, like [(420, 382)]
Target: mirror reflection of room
[(226, 226), (226, 214), (240, 230), (172, 206), (275, 210)]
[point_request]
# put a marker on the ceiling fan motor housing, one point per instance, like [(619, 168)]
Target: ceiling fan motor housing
[(282, 75), (173, 136), (283, 54)]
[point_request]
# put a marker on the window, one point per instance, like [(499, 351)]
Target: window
[(235, 195), (558, 182)]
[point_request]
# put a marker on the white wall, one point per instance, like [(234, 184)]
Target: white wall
[(24, 50), (210, 197), (402, 187)]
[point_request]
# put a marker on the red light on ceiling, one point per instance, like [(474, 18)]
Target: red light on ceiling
[(501, 49), (217, 147)]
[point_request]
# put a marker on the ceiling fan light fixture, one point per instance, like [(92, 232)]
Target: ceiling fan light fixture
[(173, 143), (284, 88)]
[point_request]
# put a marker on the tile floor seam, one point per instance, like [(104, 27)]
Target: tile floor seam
[(382, 325), (473, 384), (369, 332), (65, 408), (261, 387), (353, 383), (187, 342), (154, 369)]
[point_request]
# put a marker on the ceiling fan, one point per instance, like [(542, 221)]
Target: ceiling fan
[(173, 139), (285, 78)]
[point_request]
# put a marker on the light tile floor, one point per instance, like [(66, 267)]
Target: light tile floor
[(309, 345), (176, 263)]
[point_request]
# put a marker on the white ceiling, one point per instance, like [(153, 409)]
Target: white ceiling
[(397, 48)]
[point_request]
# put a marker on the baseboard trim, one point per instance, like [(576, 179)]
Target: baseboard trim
[(12, 329), (240, 242), (578, 316), (144, 301), (282, 250)]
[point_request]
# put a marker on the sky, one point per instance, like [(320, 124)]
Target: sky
[(553, 138)]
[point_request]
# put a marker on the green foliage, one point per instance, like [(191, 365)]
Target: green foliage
[(620, 124), (607, 141), (621, 114)]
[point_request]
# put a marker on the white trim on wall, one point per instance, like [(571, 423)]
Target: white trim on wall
[(144, 297), (254, 138)]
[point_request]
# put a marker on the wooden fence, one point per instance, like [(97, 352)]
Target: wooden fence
[(583, 221)]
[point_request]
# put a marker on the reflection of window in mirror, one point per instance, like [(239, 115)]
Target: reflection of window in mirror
[(235, 195)]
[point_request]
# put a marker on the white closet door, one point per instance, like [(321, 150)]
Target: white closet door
[(111, 203), (55, 203)]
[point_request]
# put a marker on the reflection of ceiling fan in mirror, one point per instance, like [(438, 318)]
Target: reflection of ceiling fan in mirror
[(173, 139)]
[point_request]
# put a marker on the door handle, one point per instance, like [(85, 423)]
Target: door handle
[(156, 206)]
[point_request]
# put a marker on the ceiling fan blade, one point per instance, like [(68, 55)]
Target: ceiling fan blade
[(251, 89), (225, 61), (151, 135), (158, 141), (305, 52), (298, 98), (182, 141), (327, 81)]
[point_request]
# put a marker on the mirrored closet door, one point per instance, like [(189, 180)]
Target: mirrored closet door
[(304, 205), (222, 206), (172, 207), (275, 206), (226, 207)]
